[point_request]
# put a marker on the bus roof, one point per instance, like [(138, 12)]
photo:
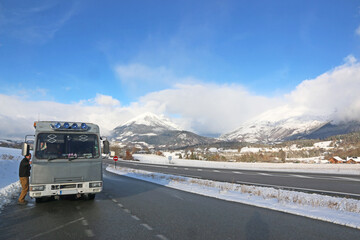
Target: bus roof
[(62, 126)]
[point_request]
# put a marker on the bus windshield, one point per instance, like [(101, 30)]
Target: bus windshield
[(53, 146)]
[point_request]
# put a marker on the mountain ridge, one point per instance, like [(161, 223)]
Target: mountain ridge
[(152, 131)]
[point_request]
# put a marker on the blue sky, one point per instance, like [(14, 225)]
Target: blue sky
[(72, 51), (69, 49)]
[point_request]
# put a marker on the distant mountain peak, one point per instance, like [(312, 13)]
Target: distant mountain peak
[(153, 131), (152, 120), (278, 124)]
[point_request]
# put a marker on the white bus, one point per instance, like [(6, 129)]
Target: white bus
[(66, 160)]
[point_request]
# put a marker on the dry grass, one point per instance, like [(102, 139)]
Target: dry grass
[(282, 196)]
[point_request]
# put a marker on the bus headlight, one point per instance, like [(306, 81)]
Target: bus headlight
[(95, 184), (37, 188)]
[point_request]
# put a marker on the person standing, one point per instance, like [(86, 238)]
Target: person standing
[(24, 174)]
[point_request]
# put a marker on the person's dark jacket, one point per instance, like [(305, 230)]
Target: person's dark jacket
[(24, 168)]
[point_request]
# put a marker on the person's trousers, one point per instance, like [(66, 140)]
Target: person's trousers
[(24, 181)]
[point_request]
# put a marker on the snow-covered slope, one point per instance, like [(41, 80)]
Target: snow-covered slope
[(150, 130), (158, 123), (277, 125)]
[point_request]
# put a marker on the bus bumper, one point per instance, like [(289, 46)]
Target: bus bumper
[(59, 189)]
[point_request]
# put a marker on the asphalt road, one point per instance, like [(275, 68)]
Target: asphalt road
[(328, 184), (134, 209)]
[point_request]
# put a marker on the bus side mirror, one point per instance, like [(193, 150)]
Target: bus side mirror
[(25, 149), (106, 148)]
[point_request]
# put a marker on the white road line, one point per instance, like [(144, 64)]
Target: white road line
[(175, 168), (114, 200), (84, 222), (176, 196), (126, 210), (147, 226), (135, 217), (298, 188), (347, 178), (300, 176), (193, 176), (55, 229), (160, 166), (199, 169), (237, 172), (120, 205), (216, 171), (162, 237), (186, 169), (264, 174), (89, 233)]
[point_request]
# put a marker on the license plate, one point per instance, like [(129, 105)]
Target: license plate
[(67, 192)]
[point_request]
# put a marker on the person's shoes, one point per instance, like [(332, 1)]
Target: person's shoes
[(23, 202)]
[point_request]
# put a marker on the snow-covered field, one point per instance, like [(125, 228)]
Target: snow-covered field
[(331, 209), (9, 178), (285, 167)]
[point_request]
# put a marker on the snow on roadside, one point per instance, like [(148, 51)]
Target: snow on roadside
[(331, 209), (351, 169), (9, 193), (9, 175)]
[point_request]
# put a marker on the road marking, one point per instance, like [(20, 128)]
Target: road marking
[(193, 176), (298, 188), (78, 207), (126, 210), (300, 176), (162, 237), (57, 228), (237, 172), (135, 217), (147, 226), (216, 171), (158, 166), (199, 169), (186, 168), (120, 205), (347, 178), (89, 233), (84, 222), (176, 196), (175, 167), (264, 174), (114, 200)]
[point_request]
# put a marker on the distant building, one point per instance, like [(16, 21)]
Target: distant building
[(336, 160), (353, 160)]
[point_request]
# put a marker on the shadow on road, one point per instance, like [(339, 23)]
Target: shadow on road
[(256, 228)]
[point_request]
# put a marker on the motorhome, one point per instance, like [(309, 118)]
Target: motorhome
[(67, 160)]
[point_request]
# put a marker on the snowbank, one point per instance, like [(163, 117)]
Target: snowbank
[(331, 209), (9, 193), (9, 175), (353, 169)]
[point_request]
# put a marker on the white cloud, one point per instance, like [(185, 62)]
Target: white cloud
[(26, 23), (335, 92), (139, 73), (203, 108), (357, 31), (143, 79), (104, 100), (209, 108), (17, 115)]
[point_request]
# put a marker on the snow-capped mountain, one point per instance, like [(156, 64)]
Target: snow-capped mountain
[(150, 130), (279, 124), (157, 123)]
